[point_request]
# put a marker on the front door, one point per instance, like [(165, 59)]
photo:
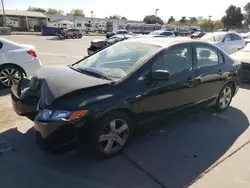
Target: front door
[(161, 97), (228, 44)]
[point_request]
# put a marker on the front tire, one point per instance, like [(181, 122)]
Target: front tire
[(110, 135), (225, 98)]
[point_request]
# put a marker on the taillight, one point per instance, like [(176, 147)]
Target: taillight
[(32, 52)]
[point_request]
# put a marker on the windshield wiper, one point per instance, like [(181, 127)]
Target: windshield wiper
[(93, 73)]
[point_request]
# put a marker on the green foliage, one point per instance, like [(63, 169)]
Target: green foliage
[(247, 13), (35, 9), (233, 17), (54, 11), (209, 25), (171, 20), (115, 17), (77, 12), (152, 19)]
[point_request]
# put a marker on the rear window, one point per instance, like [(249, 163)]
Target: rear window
[(213, 37)]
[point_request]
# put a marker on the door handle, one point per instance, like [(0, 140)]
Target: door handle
[(190, 82)]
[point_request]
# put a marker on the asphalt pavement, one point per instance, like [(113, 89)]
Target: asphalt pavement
[(201, 149)]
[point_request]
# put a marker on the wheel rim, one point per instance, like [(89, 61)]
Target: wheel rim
[(9, 76), (225, 97), (113, 136)]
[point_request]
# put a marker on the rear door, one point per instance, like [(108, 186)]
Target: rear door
[(210, 69)]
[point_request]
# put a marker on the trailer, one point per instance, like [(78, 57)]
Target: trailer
[(142, 28)]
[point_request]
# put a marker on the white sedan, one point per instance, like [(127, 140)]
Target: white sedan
[(16, 62), (230, 42), (243, 56)]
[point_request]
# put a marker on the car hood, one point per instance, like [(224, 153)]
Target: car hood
[(242, 56), (98, 43), (56, 82)]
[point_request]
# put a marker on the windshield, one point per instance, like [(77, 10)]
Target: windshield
[(213, 37), (246, 48), (118, 60), (113, 39), (155, 33)]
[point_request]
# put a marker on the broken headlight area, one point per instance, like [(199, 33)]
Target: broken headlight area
[(55, 115)]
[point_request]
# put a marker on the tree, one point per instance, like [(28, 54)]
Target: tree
[(247, 13), (193, 20), (233, 17), (35, 9), (115, 17), (152, 19), (171, 20), (77, 12), (209, 25), (54, 11), (124, 18), (183, 20)]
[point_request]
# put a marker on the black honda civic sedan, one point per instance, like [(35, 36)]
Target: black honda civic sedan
[(100, 99)]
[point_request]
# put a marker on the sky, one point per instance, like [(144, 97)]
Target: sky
[(134, 9)]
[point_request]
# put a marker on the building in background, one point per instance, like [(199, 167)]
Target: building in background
[(20, 20), (24, 20)]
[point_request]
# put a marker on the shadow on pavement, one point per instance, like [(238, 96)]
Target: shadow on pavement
[(172, 154), (245, 86), (178, 153), (4, 91), (55, 39)]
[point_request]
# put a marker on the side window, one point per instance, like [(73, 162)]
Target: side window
[(235, 37), (228, 37), (166, 33), (207, 56), (175, 60)]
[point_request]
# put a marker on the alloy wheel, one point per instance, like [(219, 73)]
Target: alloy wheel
[(113, 136), (225, 97), (9, 76)]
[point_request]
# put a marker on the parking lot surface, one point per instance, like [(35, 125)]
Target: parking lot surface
[(202, 149)]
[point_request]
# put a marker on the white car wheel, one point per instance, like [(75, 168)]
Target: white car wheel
[(10, 75)]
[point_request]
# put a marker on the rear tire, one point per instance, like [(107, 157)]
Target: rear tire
[(225, 98), (10, 74), (110, 135)]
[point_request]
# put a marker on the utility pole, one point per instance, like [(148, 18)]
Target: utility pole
[(156, 10), (4, 18), (92, 15)]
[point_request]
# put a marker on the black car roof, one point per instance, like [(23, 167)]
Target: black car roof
[(163, 42)]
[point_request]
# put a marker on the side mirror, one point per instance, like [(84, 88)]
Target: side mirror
[(160, 75)]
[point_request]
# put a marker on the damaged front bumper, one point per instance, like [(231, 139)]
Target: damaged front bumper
[(24, 104), (54, 134)]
